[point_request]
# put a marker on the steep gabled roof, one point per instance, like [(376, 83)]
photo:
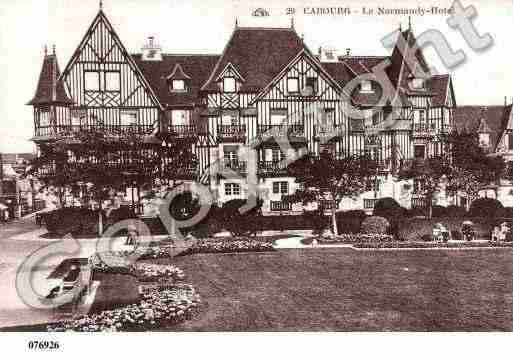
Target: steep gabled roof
[(50, 89), (362, 64), (439, 86), (99, 21), (470, 119), (258, 54), (196, 67), (406, 59), (339, 71)]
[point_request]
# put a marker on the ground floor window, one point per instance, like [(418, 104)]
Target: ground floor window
[(232, 189), (419, 152), (281, 187)]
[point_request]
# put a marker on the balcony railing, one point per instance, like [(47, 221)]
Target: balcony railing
[(280, 206), (186, 172), (182, 131), (418, 202), (271, 167), (445, 129), (326, 132), (235, 133), (369, 203), (235, 165), (296, 130), (326, 205), (66, 130)]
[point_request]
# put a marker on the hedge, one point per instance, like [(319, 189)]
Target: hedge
[(414, 229), (375, 224), (350, 221), (485, 207)]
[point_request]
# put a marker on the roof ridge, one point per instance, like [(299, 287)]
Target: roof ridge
[(218, 62), (176, 54), (365, 56), (264, 28)]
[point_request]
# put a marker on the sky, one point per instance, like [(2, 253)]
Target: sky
[(204, 26)]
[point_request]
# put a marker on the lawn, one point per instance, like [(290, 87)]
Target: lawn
[(347, 290)]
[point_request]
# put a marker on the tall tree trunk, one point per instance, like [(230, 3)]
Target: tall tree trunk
[(430, 207), (334, 220), (100, 219)]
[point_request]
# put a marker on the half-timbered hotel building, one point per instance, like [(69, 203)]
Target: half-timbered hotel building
[(264, 79)]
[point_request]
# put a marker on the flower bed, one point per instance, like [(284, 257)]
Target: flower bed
[(352, 238), (398, 244), (117, 263), (158, 273), (158, 308), (228, 246), (154, 252)]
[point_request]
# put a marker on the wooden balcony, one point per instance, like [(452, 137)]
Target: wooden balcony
[(235, 165), (186, 172), (327, 133), (271, 168), (292, 131), (418, 202), (369, 203), (424, 129), (182, 131), (231, 133), (68, 130), (280, 206), (326, 205)]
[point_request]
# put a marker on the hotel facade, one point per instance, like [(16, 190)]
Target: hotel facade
[(264, 84)]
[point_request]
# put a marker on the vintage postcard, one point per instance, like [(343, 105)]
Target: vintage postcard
[(255, 166)]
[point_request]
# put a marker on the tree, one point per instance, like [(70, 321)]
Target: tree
[(464, 180), (105, 161), (472, 168), (327, 178), (428, 175)]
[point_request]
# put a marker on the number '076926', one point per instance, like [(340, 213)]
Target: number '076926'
[(43, 345)]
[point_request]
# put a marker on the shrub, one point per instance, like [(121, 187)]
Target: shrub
[(439, 212), (456, 235), (415, 212), (485, 207), (350, 221), (208, 226), (316, 220), (70, 220), (383, 205), (427, 238), (375, 224), (506, 212), (391, 210), (238, 223), (413, 229), (456, 211), (307, 241)]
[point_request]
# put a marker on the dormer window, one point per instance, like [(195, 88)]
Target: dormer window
[(229, 84), (366, 86), (178, 86), (417, 84), (292, 85)]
